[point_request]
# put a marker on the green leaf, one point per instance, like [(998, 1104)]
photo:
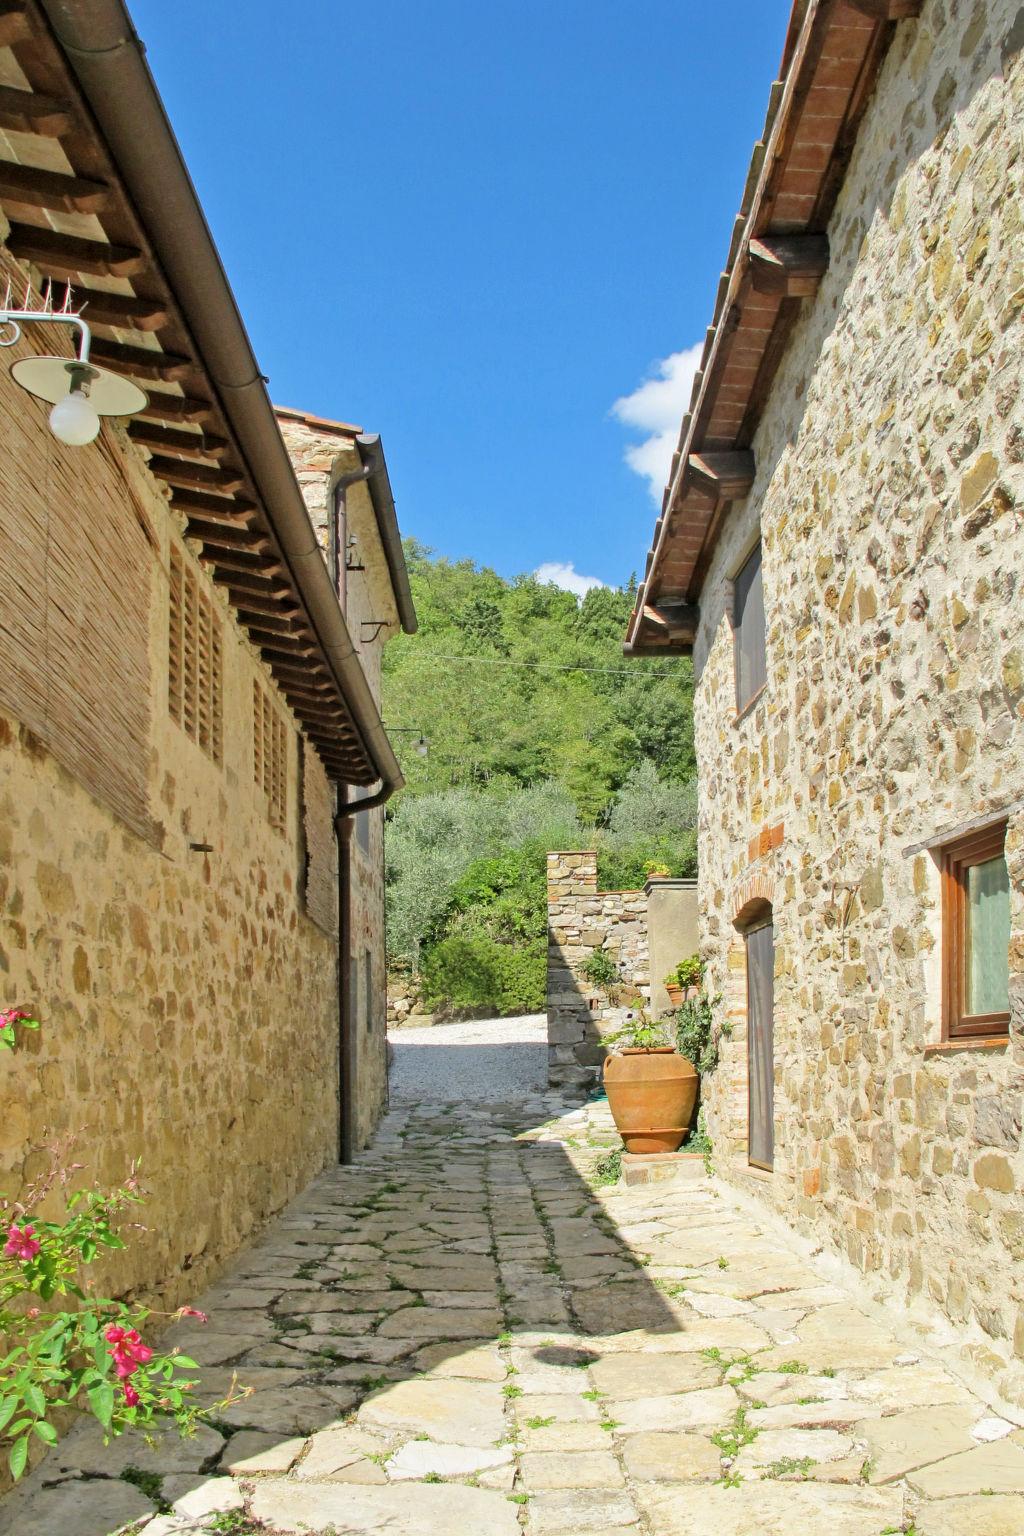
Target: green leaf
[(35, 1400), (46, 1432), (18, 1457), (186, 1363), (7, 1407), (101, 1401)]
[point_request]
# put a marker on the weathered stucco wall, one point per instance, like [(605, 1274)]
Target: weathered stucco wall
[(322, 453), (890, 495), (188, 1002), (673, 932)]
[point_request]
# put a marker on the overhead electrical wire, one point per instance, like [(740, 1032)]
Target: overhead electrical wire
[(549, 666)]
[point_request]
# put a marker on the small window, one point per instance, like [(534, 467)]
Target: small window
[(368, 988), (270, 757), (194, 659), (363, 832), (976, 935), (749, 630)]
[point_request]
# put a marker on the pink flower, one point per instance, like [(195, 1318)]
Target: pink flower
[(127, 1350), (193, 1312), (21, 1242), (131, 1397)]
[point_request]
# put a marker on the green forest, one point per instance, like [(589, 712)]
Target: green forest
[(540, 735)]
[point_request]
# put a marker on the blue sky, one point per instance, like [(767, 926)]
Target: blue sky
[(474, 227)]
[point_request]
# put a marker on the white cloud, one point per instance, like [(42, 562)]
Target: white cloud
[(657, 407), (566, 576)]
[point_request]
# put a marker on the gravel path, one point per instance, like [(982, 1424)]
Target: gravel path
[(482, 1059)]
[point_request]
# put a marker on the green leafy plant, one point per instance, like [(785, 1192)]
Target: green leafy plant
[(608, 1169), (640, 1032), (90, 1356), (600, 969), (13, 1020), (695, 1032), (788, 1466), (688, 973)]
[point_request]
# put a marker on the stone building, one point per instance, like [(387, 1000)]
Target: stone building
[(841, 547), (182, 700)]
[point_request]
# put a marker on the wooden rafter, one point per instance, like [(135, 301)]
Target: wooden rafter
[(230, 511), (164, 407), (63, 255), (727, 475), (60, 193), (141, 362), (888, 10), (789, 265), (188, 476), (32, 112), (189, 445)]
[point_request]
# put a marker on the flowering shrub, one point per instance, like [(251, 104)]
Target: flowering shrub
[(92, 1357)]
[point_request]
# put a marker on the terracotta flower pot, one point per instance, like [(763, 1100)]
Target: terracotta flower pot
[(675, 994), (651, 1095)]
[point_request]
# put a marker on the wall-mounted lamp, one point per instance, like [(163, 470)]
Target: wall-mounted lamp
[(79, 391), (421, 746)]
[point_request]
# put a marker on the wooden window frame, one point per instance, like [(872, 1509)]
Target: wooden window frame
[(957, 858), (744, 704)]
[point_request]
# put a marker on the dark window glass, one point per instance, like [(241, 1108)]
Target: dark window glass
[(749, 630)]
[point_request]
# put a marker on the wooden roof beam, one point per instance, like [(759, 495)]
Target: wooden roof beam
[(141, 362), (188, 476), (728, 475), (163, 407), (188, 445), (63, 255), (677, 621), (15, 26), (125, 310), (32, 112), (266, 604), (227, 511), (60, 193), (888, 10), (234, 558), (243, 541), (790, 266), (275, 655)]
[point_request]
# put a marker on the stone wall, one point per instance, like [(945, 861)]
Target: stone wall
[(890, 497), (582, 919), (188, 1000), (322, 452)]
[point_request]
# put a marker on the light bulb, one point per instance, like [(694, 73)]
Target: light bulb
[(74, 421)]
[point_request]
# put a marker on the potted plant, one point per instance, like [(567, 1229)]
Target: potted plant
[(651, 1087), (684, 981)]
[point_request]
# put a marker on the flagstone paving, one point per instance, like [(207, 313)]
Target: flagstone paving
[(470, 1334)]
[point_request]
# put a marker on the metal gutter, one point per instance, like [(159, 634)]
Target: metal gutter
[(371, 453), (107, 58)]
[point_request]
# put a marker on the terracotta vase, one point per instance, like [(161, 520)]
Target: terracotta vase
[(651, 1095), (675, 993)]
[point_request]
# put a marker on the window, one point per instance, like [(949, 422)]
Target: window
[(749, 630), (368, 988), (270, 756), (363, 832), (976, 935), (194, 659)]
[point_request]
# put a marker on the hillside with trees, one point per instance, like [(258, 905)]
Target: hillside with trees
[(540, 735)]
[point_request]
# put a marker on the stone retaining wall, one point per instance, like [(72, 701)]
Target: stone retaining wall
[(582, 919)]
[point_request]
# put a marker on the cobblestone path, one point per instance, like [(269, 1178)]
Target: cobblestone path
[(467, 1335)]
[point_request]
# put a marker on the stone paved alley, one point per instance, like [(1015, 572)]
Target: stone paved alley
[(467, 1333)]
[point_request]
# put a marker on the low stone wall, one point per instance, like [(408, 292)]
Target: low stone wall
[(582, 919)]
